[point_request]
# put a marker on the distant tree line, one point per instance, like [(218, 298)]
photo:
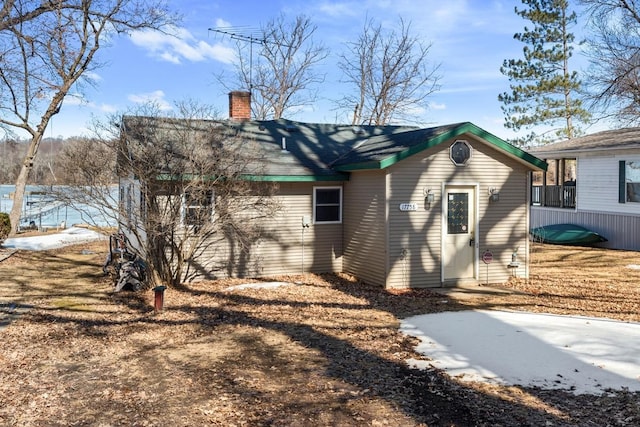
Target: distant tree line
[(49, 168)]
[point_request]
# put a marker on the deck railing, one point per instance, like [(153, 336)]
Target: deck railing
[(555, 196)]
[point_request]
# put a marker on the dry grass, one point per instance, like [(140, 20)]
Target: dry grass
[(324, 352), (584, 281)]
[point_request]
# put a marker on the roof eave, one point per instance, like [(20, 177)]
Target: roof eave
[(263, 178), (573, 151), (297, 178)]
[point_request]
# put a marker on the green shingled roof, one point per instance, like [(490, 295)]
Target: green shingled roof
[(380, 153), (310, 149), (296, 151)]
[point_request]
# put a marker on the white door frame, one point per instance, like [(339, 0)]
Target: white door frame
[(476, 225)]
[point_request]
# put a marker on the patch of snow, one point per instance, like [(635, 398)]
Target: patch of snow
[(580, 354), (70, 236)]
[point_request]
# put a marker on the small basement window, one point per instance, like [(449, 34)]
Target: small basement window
[(327, 205)]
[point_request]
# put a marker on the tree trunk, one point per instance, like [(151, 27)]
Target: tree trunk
[(21, 183), (18, 197)]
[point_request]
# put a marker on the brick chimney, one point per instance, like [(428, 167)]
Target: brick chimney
[(239, 105)]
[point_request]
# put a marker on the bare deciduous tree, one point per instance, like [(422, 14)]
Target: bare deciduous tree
[(390, 73), (186, 189), (14, 12), (46, 49), (614, 75), (281, 75)]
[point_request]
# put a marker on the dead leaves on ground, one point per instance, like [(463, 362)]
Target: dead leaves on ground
[(322, 351)]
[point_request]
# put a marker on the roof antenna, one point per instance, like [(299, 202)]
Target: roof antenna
[(229, 31), (234, 34)]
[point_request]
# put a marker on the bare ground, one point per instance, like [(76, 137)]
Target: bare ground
[(323, 352)]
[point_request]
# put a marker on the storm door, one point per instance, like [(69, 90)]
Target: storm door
[(459, 233)]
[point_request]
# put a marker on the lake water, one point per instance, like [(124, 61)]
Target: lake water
[(51, 214)]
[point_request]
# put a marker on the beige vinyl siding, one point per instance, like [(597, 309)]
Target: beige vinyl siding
[(279, 250), (324, 240), (415, 237), (504, 224), (365, 226)]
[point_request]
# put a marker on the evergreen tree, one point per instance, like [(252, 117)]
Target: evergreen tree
[(542, 84)]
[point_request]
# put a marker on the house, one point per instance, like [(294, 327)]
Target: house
[(592, 181), (395, 206)]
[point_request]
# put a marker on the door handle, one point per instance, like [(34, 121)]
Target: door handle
[(472, 242)]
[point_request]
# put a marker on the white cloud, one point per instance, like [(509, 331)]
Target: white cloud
[(431, 17), (74, 99), (466, 88), (78, 100), (92, 76), (181, 45), (156, 97), (340, 9), (437, 106), (169, 57), (107, 108), (221, 23)]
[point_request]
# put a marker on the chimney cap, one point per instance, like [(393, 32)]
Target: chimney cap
[(240, 93)]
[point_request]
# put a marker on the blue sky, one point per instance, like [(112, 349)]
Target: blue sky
[(470, 39)]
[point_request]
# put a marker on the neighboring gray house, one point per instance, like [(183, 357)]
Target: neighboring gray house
[(592, 181), (395, 206)]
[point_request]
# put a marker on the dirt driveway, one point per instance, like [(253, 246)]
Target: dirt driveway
[(326, 351)]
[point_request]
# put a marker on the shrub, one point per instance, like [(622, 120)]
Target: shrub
[(5, 226)]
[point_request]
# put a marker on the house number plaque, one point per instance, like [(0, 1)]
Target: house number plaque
[(408, 207)]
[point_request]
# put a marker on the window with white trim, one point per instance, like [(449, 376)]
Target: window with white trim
[(327, 205), (629, 182), (197, 207)]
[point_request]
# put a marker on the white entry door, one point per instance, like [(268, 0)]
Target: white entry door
[(459, 233)]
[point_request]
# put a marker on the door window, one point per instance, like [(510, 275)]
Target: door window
[(458, 209)]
